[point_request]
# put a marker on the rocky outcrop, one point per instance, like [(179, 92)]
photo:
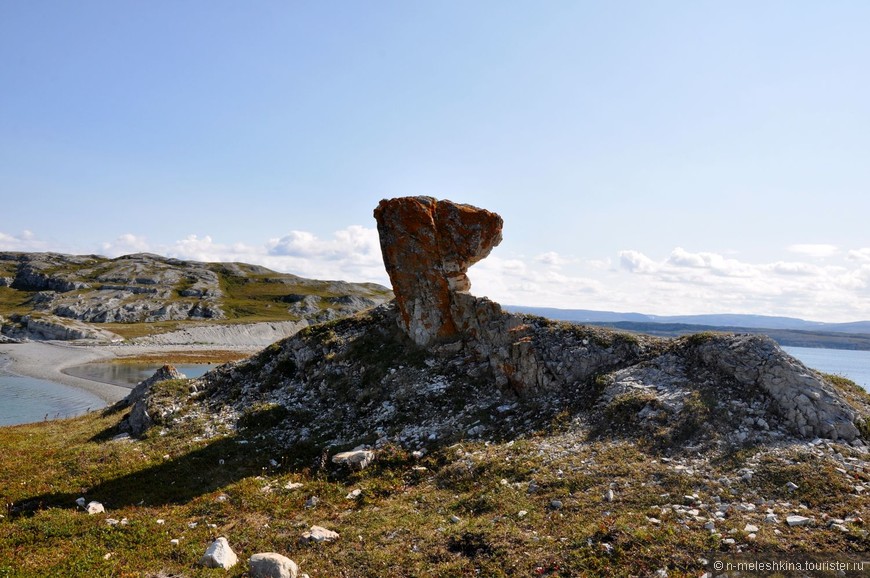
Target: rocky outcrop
[(50, 328), (6, 281), (140, 418), (145, 288), (428, 245), (444, 365), (238, 334)]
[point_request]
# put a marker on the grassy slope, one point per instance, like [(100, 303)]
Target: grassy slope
[(401, 526)]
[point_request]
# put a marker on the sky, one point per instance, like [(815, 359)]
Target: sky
[(678, 157)]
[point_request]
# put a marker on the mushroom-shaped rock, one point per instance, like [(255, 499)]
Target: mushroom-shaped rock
[(272, 565), (428, 245)]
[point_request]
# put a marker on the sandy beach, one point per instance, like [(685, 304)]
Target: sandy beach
[(47, 360)]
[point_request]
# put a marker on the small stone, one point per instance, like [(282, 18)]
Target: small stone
[(729, 541), (112, 521), (94, 508), (791, 486), (293, 485), (174, 541), (750, 528), (798, 520), (219, 555), (312, 502), (771, 519), (356, 459), (710, 526), (81, 502), (522, 514), (318, 534), (455, 519), (161, 521), (272, 565), (610, 496), (354, 494), (556, 504)]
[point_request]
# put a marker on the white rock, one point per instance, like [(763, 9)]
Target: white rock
[(354, 494), (358, 459), (798, 520), (791, 486), (750, 528), (94, 508), (318, 534), (219, 555), (771, 519), (174, 541), (293, 485), (272, 565), (455, 519), (522, 514), (610, 496)]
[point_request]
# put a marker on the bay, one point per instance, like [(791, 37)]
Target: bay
[(27, 400), (848, 363)]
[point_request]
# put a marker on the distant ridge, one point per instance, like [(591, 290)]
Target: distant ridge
[(719, 320), (787, 331)]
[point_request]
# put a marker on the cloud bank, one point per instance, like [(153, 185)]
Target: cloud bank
[(813, 281)]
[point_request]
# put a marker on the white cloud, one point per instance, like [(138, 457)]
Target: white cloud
[(683, 282), (553, 259), (125, 245), (25, 241), (817, 250), (637, 262), (860, 254)]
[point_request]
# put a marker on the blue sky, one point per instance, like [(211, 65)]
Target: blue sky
[(663, 157)]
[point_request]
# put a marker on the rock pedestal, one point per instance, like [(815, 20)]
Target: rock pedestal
[(428, 245)]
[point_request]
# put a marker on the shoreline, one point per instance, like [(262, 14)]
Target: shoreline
[(47, 360)]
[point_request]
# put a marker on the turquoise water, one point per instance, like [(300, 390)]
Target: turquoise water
[(26, 400)]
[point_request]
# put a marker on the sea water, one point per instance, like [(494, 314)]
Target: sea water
[(129, 374), (848, 363), (26, 399)]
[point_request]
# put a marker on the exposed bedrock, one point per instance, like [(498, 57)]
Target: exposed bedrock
[(428, 245)]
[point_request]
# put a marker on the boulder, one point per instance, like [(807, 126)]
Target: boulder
[(428, 245), (219, 555), (272, 565)]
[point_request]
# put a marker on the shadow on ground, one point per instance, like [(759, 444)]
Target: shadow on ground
[(175, 481)]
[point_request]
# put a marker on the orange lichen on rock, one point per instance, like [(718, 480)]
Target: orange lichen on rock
[(428, 245)]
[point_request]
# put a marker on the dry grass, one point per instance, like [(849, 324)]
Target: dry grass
[(402, 525)]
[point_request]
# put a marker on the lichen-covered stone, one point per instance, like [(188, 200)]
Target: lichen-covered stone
[(428, 246)]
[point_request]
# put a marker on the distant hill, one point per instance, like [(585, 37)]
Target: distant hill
[(57, 296), (785, 330)]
